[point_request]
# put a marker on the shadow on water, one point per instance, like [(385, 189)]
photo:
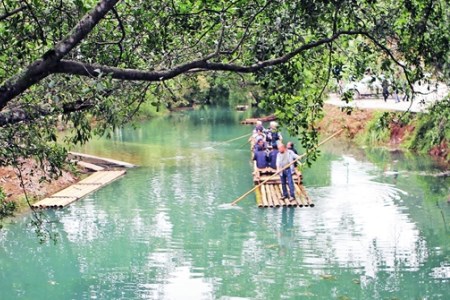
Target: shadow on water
[(164, 231)]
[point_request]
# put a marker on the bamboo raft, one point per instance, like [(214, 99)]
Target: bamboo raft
[(269, 194), (78, 190), (241, 107), (262, 119)]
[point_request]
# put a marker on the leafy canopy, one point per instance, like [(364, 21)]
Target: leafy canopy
[(73, 61)]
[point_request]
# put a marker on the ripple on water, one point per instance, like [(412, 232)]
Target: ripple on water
[(164, 232)]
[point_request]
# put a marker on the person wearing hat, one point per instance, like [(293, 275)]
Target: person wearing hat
[(273, 135), (259, 127)]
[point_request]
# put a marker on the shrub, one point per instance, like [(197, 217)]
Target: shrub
[(432, 128), (7, 208)]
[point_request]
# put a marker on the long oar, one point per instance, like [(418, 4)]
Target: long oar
[(238, 138), (281, 170), (244, 144)]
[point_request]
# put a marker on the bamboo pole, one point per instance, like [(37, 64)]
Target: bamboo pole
[(301, 198), (285, 201), (258, 197), (275, 196), (272, 195), (281, 170), (278, 191), (311, 204), (238, 138), (244, 144), (264, 197), (269, 195)]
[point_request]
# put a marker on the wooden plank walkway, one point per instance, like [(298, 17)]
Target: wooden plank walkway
[(100, 160), (88, 166), (79, 190)]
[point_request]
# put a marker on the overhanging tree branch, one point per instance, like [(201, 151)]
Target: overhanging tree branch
[(94, 70), (12, 13), (42, 68)]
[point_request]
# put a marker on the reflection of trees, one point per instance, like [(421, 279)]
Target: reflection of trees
[(268, 253), (428, 194), (160, 227)]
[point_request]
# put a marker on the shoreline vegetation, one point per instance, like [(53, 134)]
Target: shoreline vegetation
[(397, 131)]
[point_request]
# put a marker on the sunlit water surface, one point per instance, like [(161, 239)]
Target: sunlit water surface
[(380, 228)]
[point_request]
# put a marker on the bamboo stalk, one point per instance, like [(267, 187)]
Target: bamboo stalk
[(278, 192), (304, 195), (264, 197), (269, 195), (258, 197), (286, 202), (238, 138), (300, 196), (311, 204), (275, 196), (294, 203), (281, 170)]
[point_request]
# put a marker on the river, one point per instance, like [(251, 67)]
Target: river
[(379, 230)]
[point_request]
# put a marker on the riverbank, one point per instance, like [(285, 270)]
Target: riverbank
[(35, 187), (380, 221), (363, 126), (424, 133)]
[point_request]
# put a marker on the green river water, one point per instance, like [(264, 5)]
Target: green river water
[(380, 228)]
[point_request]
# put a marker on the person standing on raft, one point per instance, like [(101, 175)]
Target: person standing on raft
[(284, 158)]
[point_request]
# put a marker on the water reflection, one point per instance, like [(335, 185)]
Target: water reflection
[(162, 232), (360, 225)]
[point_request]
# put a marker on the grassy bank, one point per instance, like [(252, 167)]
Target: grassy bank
[(417, 132)]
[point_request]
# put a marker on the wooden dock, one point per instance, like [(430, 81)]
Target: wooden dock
[(99, 161), (79, 190)]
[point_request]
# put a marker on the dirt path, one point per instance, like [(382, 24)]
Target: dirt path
[(420, 103)]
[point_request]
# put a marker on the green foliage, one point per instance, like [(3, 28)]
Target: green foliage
[(432, 128), (429, 129), (377, 130), (161, 35), (7, 208), (293, 48)]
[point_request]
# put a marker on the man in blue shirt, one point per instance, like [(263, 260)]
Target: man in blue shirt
[(273, 157), (260, 156)]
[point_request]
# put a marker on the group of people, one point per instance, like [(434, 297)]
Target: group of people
[(271, 155), (395, 91)]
